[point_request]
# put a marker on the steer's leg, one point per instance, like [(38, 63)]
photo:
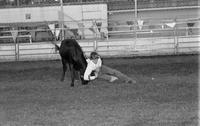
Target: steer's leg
[(72, 72), (64, 69)]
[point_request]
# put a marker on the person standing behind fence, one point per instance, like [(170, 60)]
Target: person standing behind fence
[(95, 69)]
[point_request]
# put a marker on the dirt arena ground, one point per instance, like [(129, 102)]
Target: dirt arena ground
[(166, 94)]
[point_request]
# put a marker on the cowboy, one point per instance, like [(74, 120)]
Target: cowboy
[(95, 69)]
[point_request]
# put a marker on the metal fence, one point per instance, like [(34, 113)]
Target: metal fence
[(180, 37), (143, 28)]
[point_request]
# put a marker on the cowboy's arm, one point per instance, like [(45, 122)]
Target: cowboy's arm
[(87, 74), (99, 64)]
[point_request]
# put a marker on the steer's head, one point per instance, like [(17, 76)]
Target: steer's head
[(84, 82), (82, 70)]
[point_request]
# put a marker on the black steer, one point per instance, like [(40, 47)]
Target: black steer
[(71, 53)]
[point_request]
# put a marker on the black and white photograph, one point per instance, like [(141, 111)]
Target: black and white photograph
[(99, 62)]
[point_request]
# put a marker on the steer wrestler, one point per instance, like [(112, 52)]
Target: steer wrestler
[(95, 69)]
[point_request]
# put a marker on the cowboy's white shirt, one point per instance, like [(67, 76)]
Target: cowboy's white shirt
[(91, 66)]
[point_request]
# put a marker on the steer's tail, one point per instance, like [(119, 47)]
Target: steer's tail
[(57, 48)]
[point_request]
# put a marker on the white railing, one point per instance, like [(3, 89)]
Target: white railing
[(106, 48)]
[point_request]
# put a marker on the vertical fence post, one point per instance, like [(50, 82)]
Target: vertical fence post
[(30, 39), (14, 36), (95, 28), (62, 20), (95, 45), (81, 25), (175, 40), (95, 41), (135, 25), (17, 50), (177, 45)]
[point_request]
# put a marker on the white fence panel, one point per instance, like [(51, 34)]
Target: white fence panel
[(155, 43), (7, 52), (189, 44), (39, 57)]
